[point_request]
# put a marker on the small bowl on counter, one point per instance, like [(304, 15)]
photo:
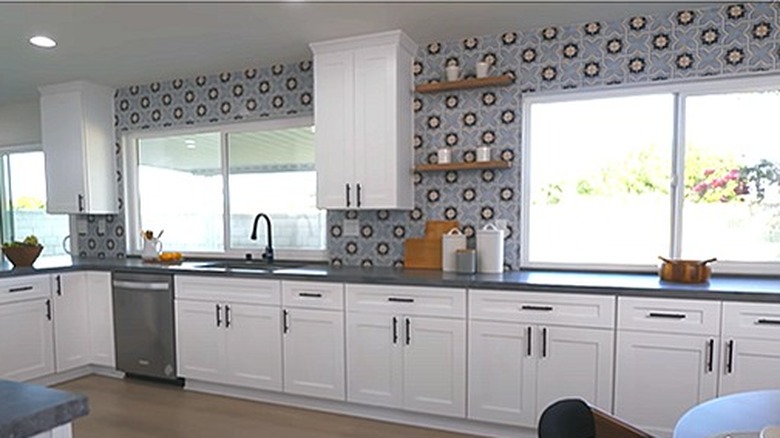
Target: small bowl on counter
[(685, 271)]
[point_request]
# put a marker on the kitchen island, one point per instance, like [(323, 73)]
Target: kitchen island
[(33, 410)]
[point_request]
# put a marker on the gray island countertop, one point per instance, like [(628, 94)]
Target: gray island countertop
[(720, 287), (27, 409)]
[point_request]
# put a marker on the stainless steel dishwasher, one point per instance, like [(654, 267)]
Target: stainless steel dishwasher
[(144, 325)]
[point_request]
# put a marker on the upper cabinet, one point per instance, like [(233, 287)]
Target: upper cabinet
[(77, 128), (363, 115)]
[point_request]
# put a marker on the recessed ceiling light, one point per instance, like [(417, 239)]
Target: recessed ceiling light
[(42, 41)]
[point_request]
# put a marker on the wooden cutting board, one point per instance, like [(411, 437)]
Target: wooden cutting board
[(435, 229), (422, 253)]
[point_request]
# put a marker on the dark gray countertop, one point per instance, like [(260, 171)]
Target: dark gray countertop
[(734, 288), (27, 409)]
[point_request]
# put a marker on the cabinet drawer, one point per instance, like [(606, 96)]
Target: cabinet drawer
[(24, 288), (543, 308), (751, 320), (229, 290), (313, 295), (406, 300), (669, 315)]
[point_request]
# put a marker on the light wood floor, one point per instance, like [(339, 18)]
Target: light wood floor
[(134, 409)]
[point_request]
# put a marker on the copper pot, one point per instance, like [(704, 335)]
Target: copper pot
[(685, 271)]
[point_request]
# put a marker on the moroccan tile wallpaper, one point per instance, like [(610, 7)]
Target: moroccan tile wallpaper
[(733, 39)]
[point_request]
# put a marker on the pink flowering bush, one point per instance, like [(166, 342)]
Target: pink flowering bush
[(734, 184)]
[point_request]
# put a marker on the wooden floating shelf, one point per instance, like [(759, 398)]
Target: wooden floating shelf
[(495, 164), (464, 84)]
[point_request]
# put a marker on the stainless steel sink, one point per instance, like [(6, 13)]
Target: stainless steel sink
[(251, 265)]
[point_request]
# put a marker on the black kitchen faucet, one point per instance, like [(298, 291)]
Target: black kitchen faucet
[(268, 254)]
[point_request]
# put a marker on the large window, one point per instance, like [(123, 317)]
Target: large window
[(205, 188), (24, 202), (615, 179)]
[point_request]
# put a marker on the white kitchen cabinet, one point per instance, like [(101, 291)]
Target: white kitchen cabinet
[(77, 130), (71, 320), (27, 343), (751, 347), (400, 356), (363, 114), (527, 350), (666, 360), (101, 319), (229, 331), (313, 341)]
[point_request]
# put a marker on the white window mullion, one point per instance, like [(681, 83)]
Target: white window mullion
[(223, 143), (132, 201), (677, 188)]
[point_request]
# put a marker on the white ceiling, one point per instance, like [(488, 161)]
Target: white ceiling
[(120, 44)]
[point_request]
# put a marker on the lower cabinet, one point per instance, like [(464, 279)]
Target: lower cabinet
[(71, 320), (101, 319), (517, 369), (406, 348), (221, 339), (27, 341), (751, 347), (313, 340), (667, 360)]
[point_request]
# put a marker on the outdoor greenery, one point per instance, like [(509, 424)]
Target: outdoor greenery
[(28, 203), (709, 178)]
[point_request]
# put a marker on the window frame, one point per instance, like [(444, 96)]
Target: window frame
[(132, 197), (680, 90)]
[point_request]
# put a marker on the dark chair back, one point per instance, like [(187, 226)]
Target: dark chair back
[(568, 418)]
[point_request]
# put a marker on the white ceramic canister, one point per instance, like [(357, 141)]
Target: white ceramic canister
[(450, 244), (490, 250)]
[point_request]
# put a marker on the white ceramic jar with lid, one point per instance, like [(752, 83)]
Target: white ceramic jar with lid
[(490, 250)]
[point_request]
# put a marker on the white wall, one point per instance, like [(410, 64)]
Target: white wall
[(20, 124)]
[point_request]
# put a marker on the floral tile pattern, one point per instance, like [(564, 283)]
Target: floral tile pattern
[(732, 39)]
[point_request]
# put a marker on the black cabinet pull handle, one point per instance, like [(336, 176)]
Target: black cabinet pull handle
[(81, 202), (537, 308), (395, 330), (666, 315), (219, 315), (20, 289), (59, 285), (768, 321), (730, 356), (400, 300), (529, 351), (285, 321), (349, 204), (710, 355), (48, 310), (544, 342), (227, 316), (408, 331), (359, 190), (309, 295)]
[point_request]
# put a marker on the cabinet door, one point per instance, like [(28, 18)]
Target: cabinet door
[(435, 365), (376, 120), (660, 376), (501, 373), (71, 321), (200, 348), (314, 353), (334, 113), (62, 134), (754, 365), (374, 359), (574, 362), (26, 346), (101, 319), (253, 346)]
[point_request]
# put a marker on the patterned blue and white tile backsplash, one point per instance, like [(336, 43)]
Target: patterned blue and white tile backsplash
[(732, 39)]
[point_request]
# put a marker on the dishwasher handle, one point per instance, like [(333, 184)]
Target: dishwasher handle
[(138, 285)]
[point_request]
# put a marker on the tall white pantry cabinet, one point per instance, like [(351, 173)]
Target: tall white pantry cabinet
[(363, 91)]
